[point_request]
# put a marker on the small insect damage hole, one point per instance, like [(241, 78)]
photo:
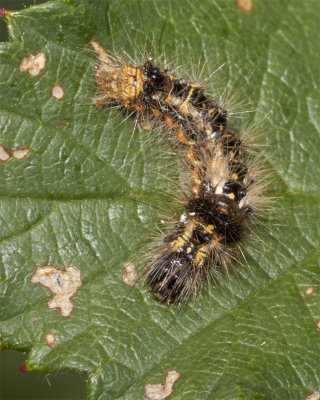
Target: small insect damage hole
[(21, 153), (158, 391), (17, 154), (130, 275), (313, 396), (51, 339), (5, 154), (63, 283), (245, 5), (309, 291), (33, 64), (58, 92)]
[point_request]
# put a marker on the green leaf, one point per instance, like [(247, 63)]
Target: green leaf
[(91, 187)]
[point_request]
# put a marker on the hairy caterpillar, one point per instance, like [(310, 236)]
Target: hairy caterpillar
[(226, 191)]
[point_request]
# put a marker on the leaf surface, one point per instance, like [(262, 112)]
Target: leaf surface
[(88, 193)]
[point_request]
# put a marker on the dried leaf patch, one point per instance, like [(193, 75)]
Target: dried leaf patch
[(51, 339), (18, 153), (62, 283), (313, 396), (245, 5), (130, 276), (33, 64), (5, 154), (309, 291), (158, 391), (57, 92)]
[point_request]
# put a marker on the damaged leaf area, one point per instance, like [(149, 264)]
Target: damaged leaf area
[(159, 391), (82, 192), (130, 276), (17, 154), (62, 283), (33, 64)]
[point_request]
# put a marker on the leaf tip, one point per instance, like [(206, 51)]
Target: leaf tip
[(24, 368), (3, 12)]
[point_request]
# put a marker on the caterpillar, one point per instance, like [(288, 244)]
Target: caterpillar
[(226, 190)]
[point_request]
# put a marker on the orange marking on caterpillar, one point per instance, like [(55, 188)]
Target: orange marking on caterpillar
[(195, 176), (195, 190), (156, 113), (181, 136), (169, 122)]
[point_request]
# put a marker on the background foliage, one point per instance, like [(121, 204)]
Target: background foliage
[(82, 196)]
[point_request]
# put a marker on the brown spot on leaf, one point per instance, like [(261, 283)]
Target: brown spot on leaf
[(313, 396), (5, 154), (130, 276), (51, 339), (309, 291), (21, 153), (245, 5), (33, 64), (63, 283), (57, 92), (158, 391)]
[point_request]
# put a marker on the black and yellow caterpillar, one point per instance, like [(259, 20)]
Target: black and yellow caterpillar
[(225, 190)]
